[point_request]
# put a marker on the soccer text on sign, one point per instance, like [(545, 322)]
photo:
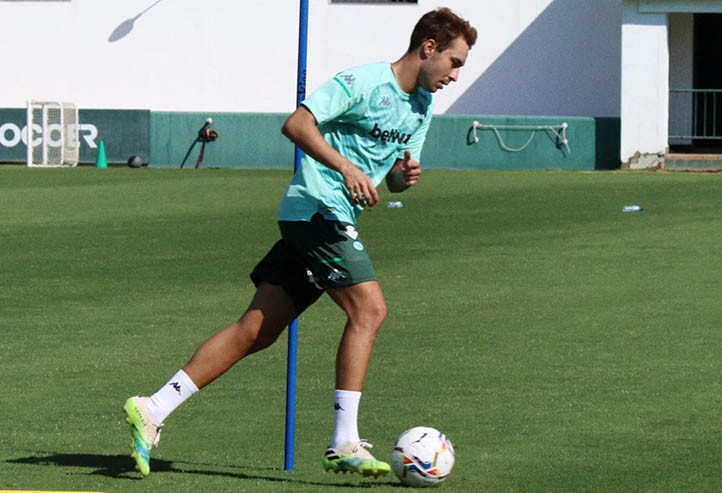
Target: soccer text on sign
[(11, 135)]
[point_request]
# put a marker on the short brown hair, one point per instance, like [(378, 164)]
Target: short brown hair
[(443, 26)]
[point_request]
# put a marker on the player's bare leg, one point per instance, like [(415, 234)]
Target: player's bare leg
[(269, 313), (365, 308)]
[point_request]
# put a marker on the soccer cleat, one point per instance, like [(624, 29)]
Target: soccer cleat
[(354, 457), (144, 431)]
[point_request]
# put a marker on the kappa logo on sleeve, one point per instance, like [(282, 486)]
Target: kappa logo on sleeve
[(385, 102), (348, 79)]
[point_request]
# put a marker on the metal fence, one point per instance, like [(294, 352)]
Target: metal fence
[(695, 114)]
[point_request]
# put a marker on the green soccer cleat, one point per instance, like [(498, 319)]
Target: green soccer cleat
[(354, 457), (144, 431)]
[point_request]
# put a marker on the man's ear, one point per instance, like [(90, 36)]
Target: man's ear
[(428, 47)]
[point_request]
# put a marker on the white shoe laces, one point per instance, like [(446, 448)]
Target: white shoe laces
[(156, 440), (363, 444), (362, 449)]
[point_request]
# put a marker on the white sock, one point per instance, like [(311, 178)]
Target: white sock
[(171, 395), (345, 430)]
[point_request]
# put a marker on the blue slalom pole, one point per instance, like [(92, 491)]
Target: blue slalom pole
[(291, 395), (293, 328)]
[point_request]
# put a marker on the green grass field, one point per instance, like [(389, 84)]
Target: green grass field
[(564, 346)]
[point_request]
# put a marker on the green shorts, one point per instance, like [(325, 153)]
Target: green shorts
[(314, 256)]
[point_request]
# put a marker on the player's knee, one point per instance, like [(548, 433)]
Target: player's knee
[(249, 335), (265, 337), (380, 312), (372, 316), (262, 342)]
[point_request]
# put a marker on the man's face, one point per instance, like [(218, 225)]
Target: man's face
[(442, 67)]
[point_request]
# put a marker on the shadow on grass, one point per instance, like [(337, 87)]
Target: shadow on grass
[(122, 467)]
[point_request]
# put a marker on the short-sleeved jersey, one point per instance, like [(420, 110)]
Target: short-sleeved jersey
[(363, 114)]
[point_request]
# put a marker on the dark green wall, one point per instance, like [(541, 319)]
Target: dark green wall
[(593, 143), (245, 140), (125, 133), (254, 140)]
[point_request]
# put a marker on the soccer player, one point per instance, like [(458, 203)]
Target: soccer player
[(364, 126)]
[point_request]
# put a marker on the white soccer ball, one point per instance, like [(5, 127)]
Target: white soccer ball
[(422, 456)]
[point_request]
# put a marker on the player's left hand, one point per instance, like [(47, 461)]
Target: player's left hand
[(410, 170)]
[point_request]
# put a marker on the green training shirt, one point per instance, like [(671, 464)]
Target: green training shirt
[(363, 114)]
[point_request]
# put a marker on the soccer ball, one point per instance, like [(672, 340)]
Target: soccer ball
[(422, 456), (135, 162)]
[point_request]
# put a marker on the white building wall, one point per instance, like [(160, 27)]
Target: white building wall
[(533, 57), (645, 86)]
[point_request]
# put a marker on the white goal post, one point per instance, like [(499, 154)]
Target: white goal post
[(52, 138)]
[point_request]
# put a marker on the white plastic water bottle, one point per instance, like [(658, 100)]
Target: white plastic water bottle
[(632, 208), (395, 204)]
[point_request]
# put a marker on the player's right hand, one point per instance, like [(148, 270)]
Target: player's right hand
[(361, 190)]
